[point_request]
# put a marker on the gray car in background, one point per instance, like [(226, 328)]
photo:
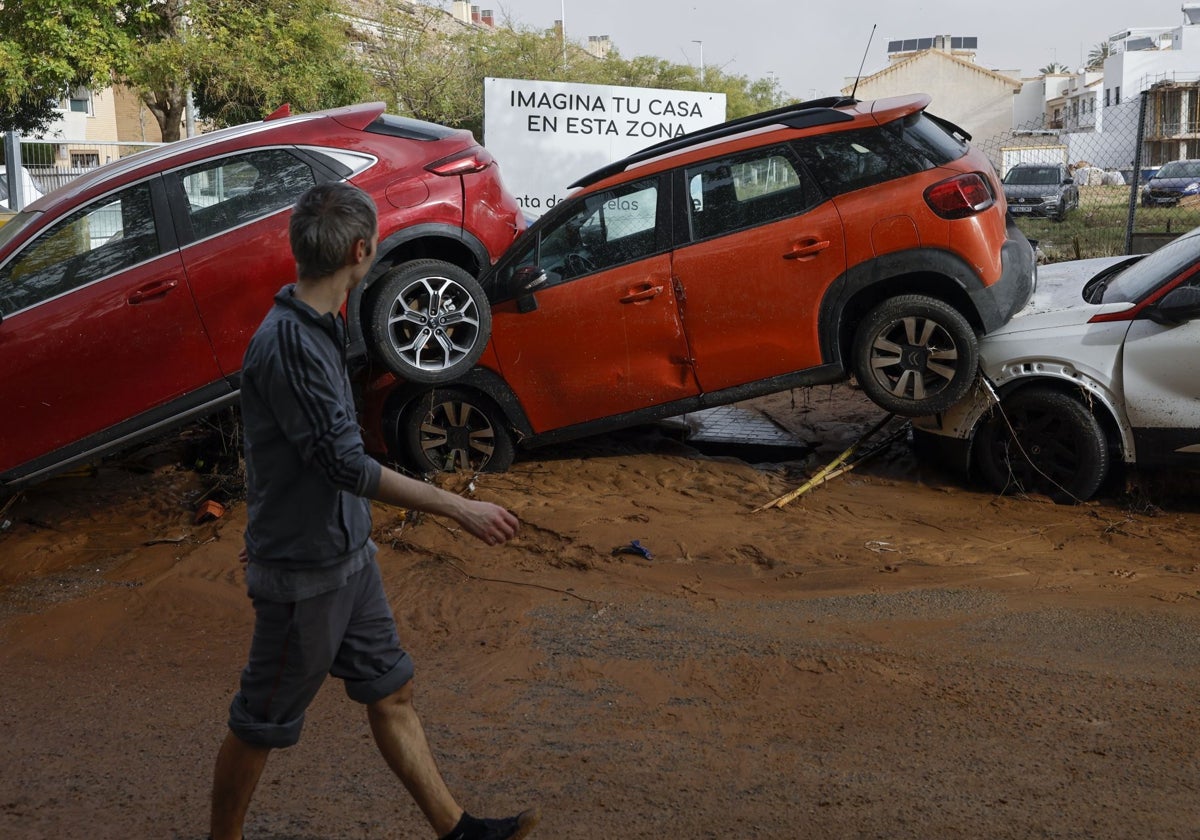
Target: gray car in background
[(1040, 189)]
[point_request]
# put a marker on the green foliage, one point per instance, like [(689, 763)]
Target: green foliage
[(1095, 59), (424, 71)]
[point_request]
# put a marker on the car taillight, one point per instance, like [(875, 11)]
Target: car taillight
[(475, 159), (960, 196)]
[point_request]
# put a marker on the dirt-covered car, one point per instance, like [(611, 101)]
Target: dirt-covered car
[(1098, 370), (795, 247), (128, 296)]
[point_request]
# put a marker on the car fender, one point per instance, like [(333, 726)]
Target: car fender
[(481, 379)]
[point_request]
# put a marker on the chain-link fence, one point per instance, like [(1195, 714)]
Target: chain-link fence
[(1111, 154)]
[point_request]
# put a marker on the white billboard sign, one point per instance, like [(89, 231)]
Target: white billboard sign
[(547, 135)]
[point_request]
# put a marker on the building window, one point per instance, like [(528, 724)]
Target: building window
[(1107, 97), (78, 101), (1117, 95)]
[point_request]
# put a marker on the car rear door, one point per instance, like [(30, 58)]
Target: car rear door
[(606, 337), (233, 214), (760, 248), (99, 328)]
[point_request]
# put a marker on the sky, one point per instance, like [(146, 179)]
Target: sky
[(810, 47)]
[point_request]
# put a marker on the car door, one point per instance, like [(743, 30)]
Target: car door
[(1162, 390), (605, 337), (233, 211), (98, 328), (761, 249)]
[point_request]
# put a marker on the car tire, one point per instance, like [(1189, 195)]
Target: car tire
[(450, 429), (1044, 441), (915, 355), (429, 321)]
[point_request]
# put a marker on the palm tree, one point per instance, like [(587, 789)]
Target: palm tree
[(1101, 51), (1052, 68)]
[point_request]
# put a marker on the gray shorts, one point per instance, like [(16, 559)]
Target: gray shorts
[(349, 633)]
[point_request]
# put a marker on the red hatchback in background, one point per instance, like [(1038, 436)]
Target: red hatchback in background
[(127, 298)]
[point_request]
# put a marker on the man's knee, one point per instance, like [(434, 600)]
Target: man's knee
[(399, 699)]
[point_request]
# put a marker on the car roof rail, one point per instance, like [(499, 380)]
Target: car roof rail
[(798, 115)]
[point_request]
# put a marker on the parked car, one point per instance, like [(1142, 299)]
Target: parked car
[(1173, 182), (128, 296), (1098, 370), (30, 190), (790, 248), (1041, 189)]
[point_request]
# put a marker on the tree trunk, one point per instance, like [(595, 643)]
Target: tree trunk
[(168, 108)]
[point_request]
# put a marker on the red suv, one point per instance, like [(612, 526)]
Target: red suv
[(127, 297), (790, 248)]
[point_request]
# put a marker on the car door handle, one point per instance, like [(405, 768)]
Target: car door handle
[(646, 292), (809, 249), (153, 290)]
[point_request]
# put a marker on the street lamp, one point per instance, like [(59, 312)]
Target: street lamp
[(701, 43)]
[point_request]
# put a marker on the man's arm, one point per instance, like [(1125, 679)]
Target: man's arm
[(484, 520)]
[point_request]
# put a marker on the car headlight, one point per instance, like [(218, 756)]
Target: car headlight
[(1051, 198), (1192, 188)]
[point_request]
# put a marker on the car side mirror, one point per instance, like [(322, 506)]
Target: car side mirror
[(1176, 307), (525, 281), (1068, 180)]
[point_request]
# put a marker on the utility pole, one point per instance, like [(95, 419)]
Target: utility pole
[(701, 43)]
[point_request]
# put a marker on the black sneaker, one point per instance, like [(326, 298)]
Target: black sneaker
[(508, 828)]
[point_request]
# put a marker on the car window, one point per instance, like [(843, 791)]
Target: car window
[(1180, 169), (741, 191), (109, 235), (607, 229), (850, 160), (1147, 274), (1031, 175), (225, 193)]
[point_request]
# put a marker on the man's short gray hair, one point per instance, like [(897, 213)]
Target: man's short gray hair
[(326, 222)]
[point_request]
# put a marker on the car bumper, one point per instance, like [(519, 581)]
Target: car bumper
[(997, 303)]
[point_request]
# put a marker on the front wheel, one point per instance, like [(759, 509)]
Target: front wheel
[(449, 429), (915, 355), (1042, 441), (429, 321)]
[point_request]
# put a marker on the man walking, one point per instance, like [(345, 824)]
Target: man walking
[(318, 596)]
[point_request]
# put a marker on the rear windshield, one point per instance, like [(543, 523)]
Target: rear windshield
[(843, 161), (1029, 175), (409, 129)]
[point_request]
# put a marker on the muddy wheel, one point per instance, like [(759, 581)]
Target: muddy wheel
[(915, 355), (1043, 441), (449, 429)]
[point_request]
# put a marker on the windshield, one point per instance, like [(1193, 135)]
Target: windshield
[(10, 228), (1150, 272), (1027, 175), (1180, 169)]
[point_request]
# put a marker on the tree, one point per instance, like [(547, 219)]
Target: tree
[(49, 47), (1052, 68), (1099, 53)]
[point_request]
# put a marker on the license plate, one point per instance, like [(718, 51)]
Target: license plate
[(1019, 209)]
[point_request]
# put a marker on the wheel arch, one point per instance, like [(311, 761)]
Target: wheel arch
[(426, 241), (1096, 398), (481, 380), (936, 274)]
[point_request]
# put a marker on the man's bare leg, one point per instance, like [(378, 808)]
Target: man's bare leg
[(239, 766), (401, 739)]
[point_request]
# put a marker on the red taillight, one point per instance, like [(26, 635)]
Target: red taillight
[(474, 159), (960, 196)]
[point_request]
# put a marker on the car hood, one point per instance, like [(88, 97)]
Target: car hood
[(1012, 191), (1058, 300), (1172, 183)]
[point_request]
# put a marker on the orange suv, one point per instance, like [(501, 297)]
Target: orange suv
[(790, 248)]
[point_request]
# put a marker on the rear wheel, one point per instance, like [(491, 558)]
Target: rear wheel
[(915, 355), (1043, 441), (449, 429), (429, 321)]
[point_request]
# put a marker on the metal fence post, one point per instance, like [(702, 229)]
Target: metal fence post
[(13, 173), (1137, 172)]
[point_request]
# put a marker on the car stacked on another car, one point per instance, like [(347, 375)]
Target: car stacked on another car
[(1041, 189), (795, 247), (128, 296), (1099, 369)]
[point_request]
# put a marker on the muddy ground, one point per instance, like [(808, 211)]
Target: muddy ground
[(893, 655)]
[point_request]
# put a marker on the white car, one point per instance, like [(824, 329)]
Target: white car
[(1100, 367)]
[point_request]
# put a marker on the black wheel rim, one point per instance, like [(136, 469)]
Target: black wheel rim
[(914, 358), (455, 435), (1044, 451)]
